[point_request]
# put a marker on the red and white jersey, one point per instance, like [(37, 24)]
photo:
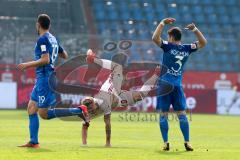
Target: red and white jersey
[(114, 82), (111, 95)]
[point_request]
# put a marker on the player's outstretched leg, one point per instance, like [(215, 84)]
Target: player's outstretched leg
[(80, 111), (163, 123), (150, 83), (184, 126)]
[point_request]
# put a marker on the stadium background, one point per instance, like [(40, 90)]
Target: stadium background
[(83, 24)]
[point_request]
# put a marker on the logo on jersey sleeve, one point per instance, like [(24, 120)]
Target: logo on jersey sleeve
[(43, 48)]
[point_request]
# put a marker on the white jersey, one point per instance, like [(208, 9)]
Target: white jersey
[(110, 94), (114, 82)]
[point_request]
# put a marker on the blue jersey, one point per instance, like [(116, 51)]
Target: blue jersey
[(47, 43), (174, 58)]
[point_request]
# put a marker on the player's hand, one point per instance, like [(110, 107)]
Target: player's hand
[(90, 56), (168, 20), (22, 66), (191, 26)]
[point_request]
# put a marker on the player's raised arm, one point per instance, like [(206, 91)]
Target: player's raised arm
[(201, 39), (158, 32), (42, 61), (104, 63)]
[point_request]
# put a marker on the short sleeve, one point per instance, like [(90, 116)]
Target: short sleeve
[(192, 47), (165, 45), (43, 45), (60, 48)]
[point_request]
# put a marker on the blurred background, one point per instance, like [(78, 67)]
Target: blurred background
[(212, 74)]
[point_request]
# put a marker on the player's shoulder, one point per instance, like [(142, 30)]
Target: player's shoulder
[(167, 44), (47, 38), (43, 38), (52, 38), (50, 35)]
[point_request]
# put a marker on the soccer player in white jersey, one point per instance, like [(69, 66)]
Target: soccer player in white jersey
[(111, 96)]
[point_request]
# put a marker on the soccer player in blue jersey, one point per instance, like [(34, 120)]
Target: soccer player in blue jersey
[(175, 56), (47, 50)]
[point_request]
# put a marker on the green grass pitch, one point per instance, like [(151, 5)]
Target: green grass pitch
[(213, 137)]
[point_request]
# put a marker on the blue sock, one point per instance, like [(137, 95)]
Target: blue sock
[(163, 122), (33, 128), (184, 125), (63, 112)]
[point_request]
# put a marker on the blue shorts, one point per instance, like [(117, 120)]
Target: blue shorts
[(42, 93), (176, 98)]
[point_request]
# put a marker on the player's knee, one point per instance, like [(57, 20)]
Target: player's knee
[(163, 114), (138, 96), (181, 113), (32, 108), (43, 114), (183, 118)]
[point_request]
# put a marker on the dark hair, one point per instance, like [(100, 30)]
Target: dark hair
[(44, 21), (176, 33)]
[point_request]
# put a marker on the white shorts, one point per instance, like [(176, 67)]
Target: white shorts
[(126, 99)]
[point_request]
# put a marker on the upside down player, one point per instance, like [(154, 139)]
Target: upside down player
[(47, 50), (111, 96), (174, 57)]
